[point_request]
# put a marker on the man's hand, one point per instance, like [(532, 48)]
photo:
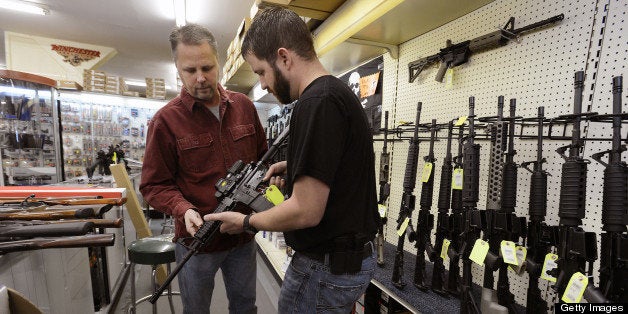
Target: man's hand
[(231, 221), (193, 221), (275, 172)]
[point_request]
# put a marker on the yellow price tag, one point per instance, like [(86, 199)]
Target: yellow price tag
[(115, 158), (444, 249), (449, 78), (381, 208), (548, 265), (273, 195), (509, 252), (480, 249), (456, 180), (427, 171), (461, 121), (575, 288), (402, 228)]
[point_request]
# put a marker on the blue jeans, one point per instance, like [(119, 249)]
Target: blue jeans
[(310, 287), (196, 279)]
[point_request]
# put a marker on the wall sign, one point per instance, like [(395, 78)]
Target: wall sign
[(366, 82), (75, 56)]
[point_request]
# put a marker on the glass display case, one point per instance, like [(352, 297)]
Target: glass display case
[(93, 123), (28, 140)]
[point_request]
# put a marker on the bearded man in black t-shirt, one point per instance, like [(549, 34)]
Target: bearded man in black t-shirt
[(330, 218)]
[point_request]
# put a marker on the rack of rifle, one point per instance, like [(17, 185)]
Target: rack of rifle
[(34, 223), (494, 236)]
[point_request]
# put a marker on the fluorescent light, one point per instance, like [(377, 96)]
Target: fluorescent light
[(23, 6), (17, 92), (179, 12)]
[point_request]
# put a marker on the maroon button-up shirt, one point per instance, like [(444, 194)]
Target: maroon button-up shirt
[(188, 149)]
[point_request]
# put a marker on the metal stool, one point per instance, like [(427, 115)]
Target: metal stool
[(151, 251)]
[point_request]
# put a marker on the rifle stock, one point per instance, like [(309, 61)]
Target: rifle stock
[(97, 223), (58, 230), (50, 214), (91, 240)]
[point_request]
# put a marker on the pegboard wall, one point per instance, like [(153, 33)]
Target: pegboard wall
[(536, 71)]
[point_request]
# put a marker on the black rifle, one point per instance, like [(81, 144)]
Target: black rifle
[(493, 204), (425, 221), (576, 247), (456, 221), (614, 255), (443, 227), (473, 220), (541, 237), (456, 54), (407, 201), (242, 186), (384, 191), (507, 224)]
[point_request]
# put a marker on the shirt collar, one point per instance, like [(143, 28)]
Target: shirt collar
[(189, 101)]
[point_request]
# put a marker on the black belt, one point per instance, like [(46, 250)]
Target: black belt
[(323, 257)]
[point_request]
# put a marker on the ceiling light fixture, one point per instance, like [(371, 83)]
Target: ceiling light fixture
[(179, 12), (23, 6)]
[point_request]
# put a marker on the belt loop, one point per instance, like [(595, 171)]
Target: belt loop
[(326, 261)]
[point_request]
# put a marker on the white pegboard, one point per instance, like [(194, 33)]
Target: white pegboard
[(537, 71)]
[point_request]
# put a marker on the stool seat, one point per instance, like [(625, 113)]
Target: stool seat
[(152, 251)]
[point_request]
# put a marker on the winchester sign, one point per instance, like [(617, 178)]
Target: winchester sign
[(75, 56)]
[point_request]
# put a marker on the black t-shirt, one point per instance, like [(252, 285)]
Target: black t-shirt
[(330, 140)]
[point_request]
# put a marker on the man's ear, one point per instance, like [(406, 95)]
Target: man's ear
[(284, 57)]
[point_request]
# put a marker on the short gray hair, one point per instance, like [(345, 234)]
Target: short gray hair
[(191, 34)]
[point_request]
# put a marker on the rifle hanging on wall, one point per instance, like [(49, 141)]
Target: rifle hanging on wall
[(384, 192), (425, 220), (493, 203), (473, 220), (507, 224), (456, 54), (541, 237), (456, 219), (404, 221), (614, 252), (443, 227), (576, 247)]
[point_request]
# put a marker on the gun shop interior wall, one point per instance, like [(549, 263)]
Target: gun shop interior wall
[(537, 71)]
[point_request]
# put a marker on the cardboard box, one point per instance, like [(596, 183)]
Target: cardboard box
[(71, 85)]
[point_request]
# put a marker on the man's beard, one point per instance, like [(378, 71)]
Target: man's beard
[(281, 87)]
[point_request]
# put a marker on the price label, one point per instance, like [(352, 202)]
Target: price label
[(444, 249), (479, 251), (575, 288), (449, 78), (402, 228), (461, 121), (273, 195), (548, 265), (427, 171), (381, 208), (456, 182), (509, 252), (521, 252)]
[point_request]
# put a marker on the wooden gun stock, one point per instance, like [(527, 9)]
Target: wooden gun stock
[(92, 240), (52, 230), (67, 201), (97, 223), (50, 214)]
